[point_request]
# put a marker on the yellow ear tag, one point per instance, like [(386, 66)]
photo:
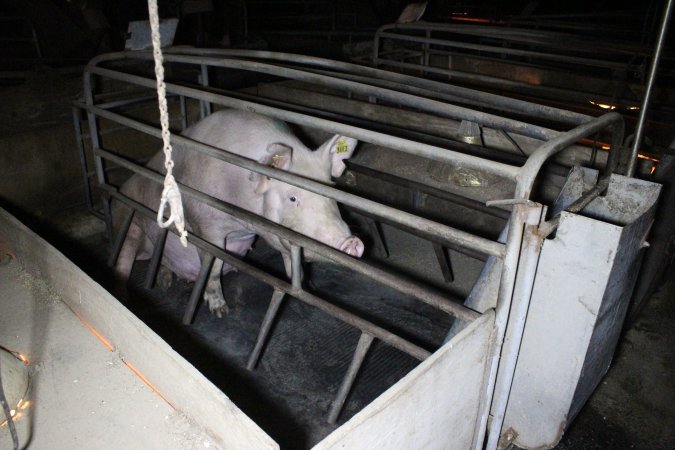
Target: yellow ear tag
[(342, 147)]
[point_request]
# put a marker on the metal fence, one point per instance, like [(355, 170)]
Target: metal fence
[(519, 252)]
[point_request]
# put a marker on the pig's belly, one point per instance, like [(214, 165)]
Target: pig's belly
[(182, 261)]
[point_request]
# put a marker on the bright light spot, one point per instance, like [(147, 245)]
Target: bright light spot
[(12, 412), (651, 172), (22, 358), (605, 147), (632, 108), (602, 105)]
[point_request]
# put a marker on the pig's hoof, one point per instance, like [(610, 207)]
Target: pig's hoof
[(164, 278), (216, 303)]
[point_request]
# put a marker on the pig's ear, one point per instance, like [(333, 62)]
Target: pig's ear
[(278, 156), (338, 148)]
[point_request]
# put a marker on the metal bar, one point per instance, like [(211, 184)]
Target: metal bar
[(502, 50), (503, 83), (119, 239), (639, 132), (403, 285), (82, 158), (312, 300), (365, 341), (522, 294), (442, 109), (95, 143), (296, 265), (204, 81), (430, 190), (378, 238), (399, 81), (529, 171), (451, 235), (198, 289), (444, 263), (156, 259), (505, 297), (395, 143), (183, 113), (265, 327)]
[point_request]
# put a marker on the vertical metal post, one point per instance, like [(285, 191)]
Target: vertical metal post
[(639, 132), (273, 308), (183, 113), (378, 237), (96, 143), (156, 258), (268, 320), (83, 159), (119, 240), (204, 81), (198, 289), (296, 265), (365, 341), (523, 213), (444, 262)]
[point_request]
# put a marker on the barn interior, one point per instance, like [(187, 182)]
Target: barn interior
[(572, 59)]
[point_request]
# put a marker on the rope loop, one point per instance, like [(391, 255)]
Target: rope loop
[(171, 197), (171, 194)]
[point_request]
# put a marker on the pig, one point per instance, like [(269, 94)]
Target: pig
[(268, 141)]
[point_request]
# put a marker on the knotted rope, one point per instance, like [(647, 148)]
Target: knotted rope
[(171, 193)]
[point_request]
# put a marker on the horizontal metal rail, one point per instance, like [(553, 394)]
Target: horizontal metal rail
[(408, 287), (399, 81), (395, 143), (552, 39), (449, 234), (503, 50), (402, 98), (306, 297)]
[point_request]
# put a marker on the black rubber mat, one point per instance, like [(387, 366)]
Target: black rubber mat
[(291, 390)]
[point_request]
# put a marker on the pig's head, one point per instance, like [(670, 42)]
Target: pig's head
[(305, 212)]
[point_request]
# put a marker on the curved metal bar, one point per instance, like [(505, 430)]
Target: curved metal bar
[(531, 169), (425, 104), (395, 143), (402, 82)]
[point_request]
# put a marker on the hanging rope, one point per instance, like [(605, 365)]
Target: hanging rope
[(170, 194)]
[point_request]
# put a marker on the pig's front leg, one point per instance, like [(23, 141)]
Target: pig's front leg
[(213, 294)]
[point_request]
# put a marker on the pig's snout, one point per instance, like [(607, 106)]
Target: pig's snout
[(352, 246)]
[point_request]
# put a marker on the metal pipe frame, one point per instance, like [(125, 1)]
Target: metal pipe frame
[(551, 39), (283, 286), (508, 35), (416, 290), (421, 103), (516, 278), (399, 81), (639, 130)]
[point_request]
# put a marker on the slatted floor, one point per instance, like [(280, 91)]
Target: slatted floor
[(291, 390)]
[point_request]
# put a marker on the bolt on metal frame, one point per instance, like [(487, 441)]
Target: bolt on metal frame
[(519, 253)]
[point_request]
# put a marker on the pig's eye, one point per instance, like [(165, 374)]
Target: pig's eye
[(293, 198)]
